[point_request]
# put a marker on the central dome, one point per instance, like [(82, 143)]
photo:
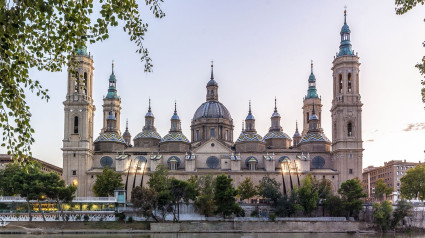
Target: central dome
[(212, 109)]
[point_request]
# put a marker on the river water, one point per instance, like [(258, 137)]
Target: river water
[(226, 235)]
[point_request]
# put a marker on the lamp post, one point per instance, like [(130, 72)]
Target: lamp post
[(283, 180), (143, 173)]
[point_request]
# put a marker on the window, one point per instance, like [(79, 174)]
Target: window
[(350, 171), (349, 129), (349, 83), (74, 172), (308, 117), (227, 135), (75, 154), (397, 172), (197, 135), (212, 133), (340, 83), (85, 83), (77, 79), (76, 125)]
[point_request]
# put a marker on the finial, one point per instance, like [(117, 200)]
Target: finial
[(243, 125), (212, 71), (249, 106), (275, 107), (311, 66), (313, 109), (113, 63), (149, 110), (345, 14), (296, 125), (175, 107), (126, 124)]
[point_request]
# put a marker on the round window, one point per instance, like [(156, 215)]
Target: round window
[(212, 162), (106, 161)]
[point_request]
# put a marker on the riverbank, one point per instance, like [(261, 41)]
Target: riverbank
[(185, 227)]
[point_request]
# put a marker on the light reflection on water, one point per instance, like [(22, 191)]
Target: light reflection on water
[(224, 235)]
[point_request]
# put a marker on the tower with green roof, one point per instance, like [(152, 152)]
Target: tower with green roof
[(112, 100), (347, 144), (312, 98)]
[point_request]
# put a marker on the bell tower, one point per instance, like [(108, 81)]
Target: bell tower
[(78, 129), (347, 144)]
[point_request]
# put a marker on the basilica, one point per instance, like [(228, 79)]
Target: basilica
[(211, 147)]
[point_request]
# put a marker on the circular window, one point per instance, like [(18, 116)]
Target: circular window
[(212, 145), (212, 162), (106, 161), (318, 162)]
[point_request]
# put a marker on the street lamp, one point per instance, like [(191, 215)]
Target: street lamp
[(283, 180), (75, 183)]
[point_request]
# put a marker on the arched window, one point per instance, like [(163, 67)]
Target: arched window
[(77, 79), (76, 125), (340, 83), (173, 163), (349, 129), (197, 135), (308, 117), (212, 133), (85, 83), (349, 83), (251, 162)]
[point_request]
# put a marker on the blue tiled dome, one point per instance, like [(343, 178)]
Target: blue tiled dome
[(175, 136), (111, 137), (212, 82), (249, 137), (314, 137), (277, 134), (345, 29), (148, 134), (212, 109)]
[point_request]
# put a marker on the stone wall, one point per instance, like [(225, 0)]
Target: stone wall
[(261, 226)]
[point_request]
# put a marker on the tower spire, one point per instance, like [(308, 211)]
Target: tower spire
[(249, 107), (212, 69), (149, 110), (345, 14), (175, 107), (126, 124), (275, 107), (296, 126), (113, 66), (311, 66)]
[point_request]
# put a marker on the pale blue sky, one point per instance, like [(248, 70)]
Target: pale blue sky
[(261, 49)]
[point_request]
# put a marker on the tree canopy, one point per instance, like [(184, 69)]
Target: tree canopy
[(45, 35), (107, 182), (351, 192), (382, 189), (413, 183)]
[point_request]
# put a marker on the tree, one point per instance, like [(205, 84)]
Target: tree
[(382, 189), (56, 189), (286, 207), (107, 182), (45, 35), (412, 183), (65, 195), (6, 183), (180, 191), (308, 195), (352, 193), (324, 190), (204, 202), (160, 183), (403, 6), (145, 200), (403, 210), (335, 206), (269, 188), (382, 215), (246, 189), (224, 196)]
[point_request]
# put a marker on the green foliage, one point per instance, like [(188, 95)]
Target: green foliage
[(180, 191), (86, 218), (224, 196), (286, 207), (255, 213), (145, 201), (120, 216), (107, 182), (382, 215), (158, 180), (404, 209), (204, 202), (351, 192), (308, 195), (272, 217), (6, 183), (382, 189), (335, 206), (269, 188), (412, 184), (246, 189), (44, 35), (130, 220), (403, 6)]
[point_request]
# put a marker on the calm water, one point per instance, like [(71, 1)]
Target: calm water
[(211, 235)]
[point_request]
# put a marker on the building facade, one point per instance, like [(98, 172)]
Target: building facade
[(212, 148), (391, 173)]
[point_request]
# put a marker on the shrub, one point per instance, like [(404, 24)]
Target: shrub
[(130, 219), (254, 213), (86, 217), (272, 217), (382, 215)]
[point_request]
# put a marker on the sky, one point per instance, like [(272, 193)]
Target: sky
[(261, 50)]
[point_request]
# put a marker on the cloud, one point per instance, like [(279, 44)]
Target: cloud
[(370, 140), (415, 127)]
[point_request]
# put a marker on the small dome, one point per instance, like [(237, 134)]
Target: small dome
[(312, 78), (244, 137), (250, 117), (175, 117), (297, 134), (313, 117), (277, 134), (275, 114), (110, 137), (175, 136), (345, 29), (148, 134), (212, 109), (314, 137), (149, 114), (212, 82), (82, 51)]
